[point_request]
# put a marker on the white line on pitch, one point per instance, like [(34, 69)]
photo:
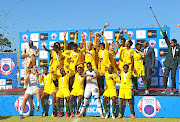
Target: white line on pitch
[(76, 120)]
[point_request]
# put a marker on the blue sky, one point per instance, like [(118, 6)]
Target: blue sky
[(34, 15)]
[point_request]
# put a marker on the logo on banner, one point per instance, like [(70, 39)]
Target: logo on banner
[(6, 66), (43, 44), (84, 35), (44, 36), (130, 33), (153, 71), (25, 37), (152, 43), (28, 108), (140, 81), (140, 34), (152, 34), (149, 106), (53, 36), (162, 61)]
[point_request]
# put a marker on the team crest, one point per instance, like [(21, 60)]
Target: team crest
[(6, 66), (152, 43), (84, 35), (28, 108), (25, 37), (140, 81), (53, 36), (149, 106)]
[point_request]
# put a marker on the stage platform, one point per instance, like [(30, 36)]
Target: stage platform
[(153, 105)]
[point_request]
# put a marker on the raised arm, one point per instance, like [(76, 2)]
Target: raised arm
[(125, 31), (65, 43), (166, 38), (75, 38), (116, 50), (107, 45), (117, 38), (46, 48)]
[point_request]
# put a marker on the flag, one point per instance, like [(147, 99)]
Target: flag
[(136, 27), (152, 26), (165, 25), (179, 25)]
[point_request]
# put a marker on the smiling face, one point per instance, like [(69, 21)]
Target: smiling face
[(111, 47), (125, 68), (45, 70), (110, 70), (62, 71), (80, 70)]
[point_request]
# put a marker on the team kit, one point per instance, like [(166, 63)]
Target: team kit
[(80, 72)]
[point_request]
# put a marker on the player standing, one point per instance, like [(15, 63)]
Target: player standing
[(49, 89)]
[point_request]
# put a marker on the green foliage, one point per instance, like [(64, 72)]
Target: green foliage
[(4, 43)]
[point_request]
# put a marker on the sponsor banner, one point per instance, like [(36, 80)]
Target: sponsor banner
[(140, 81), (152, 34), (8, 86), (22, 81), (141, 34), (43, 44), (43, 54), (149, 106), (108, 34), (51, 44), (9, 81), (34, 36), (24, 46), (130, 33), (62, 45), (84, 35), (43, 62), (162, 61), (162, 43), (61, 36), (2, 81), (116, 33), (133, 45), (163, 52), (72, 35), (6, 66), (44, 36), (2, 87)]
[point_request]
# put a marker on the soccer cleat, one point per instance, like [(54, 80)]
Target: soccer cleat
[(21, 116), (107, 115), (120, 116), (66, 113), (72, 115), (53, 114), (78, 115), (164, 92), (146, 92), (102, 116), (43, 114), (113, 116), (171, 93), (37, 108), (59, 114), (132, 116)]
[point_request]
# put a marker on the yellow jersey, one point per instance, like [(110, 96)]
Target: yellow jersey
[(126, 80), (90, 57), (126, 55), (105, 55), (112, 59), (110, 84), (56, 57), (66, 54), (63, 81), (138, 60), (74, 59), (78, 82), (47, 80)]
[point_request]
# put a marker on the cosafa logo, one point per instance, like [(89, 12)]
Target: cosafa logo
[(53, 36), (152, 43), (162, 61), (149, 106), (28, 108), (25, 37), (6, 66)]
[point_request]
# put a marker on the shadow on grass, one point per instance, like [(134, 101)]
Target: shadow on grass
[(4, 117)]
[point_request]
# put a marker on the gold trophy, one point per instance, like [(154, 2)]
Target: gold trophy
[(105, 27)]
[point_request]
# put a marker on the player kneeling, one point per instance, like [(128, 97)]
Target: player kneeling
[(125, 91), (49, 89), (110, 90), (78, 90), (91, 89), (63, 92), (32, 89)]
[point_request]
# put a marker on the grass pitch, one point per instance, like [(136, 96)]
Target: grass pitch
[(82, 119)]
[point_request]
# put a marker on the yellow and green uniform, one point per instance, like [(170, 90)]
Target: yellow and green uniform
[(121, 60), (63, 85), (127, 55), (74, 59), (112, 60), (125, 91), (105, 63), (49, 86), (78, 85), (56, 59), (90, 57), (138, 64), (110, 88)]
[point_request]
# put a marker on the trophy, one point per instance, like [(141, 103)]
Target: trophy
[(105, 27)]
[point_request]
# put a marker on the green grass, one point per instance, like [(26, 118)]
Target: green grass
[(82, 119)]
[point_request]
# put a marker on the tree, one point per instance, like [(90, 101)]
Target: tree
[(4, 42)]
